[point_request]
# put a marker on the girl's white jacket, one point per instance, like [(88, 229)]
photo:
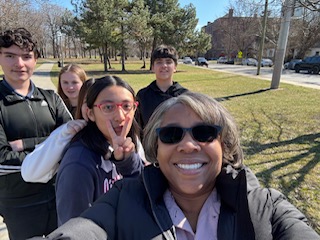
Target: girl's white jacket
[(43, 162)]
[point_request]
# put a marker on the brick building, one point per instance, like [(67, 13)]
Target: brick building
[(230, 34)]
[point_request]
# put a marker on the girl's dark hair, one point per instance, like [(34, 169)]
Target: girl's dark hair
[(91, 136), (82, 95)]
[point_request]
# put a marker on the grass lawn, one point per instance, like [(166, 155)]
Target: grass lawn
[(279, 128)]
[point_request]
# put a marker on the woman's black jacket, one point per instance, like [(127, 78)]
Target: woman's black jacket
[(134, 209)]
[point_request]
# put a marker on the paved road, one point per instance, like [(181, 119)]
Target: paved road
[(41, 78), (287, 76)]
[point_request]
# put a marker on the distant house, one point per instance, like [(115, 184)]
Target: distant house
[(315, 51), (230, 35)]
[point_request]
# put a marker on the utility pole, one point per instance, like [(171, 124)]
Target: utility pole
[(264, 26), (287, 9)]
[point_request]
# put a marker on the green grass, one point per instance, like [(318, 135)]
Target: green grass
[(279, 128)]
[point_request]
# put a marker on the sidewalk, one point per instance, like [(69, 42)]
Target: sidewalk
[(41, 78), (287, 76)]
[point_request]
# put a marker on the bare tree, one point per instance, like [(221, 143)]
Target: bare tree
[(305, 33), (13, 13), (312, 5), (53, 15)]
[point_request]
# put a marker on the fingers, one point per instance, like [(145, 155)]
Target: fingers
[(17, 145), (122, 145), (75, 126), (125, 150), (126, 127), (128, 145), (115, 139), (111, 131)]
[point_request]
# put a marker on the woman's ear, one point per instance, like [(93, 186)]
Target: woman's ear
[(90, 115)]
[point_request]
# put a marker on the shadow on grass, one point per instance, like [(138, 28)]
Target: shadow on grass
[(109, 72), (242, 94), (313, 151), (119, 72), (199, 79)]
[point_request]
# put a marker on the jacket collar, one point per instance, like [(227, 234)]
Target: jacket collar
[(11, 96), (232, 187), (174, 87), (233, 184)]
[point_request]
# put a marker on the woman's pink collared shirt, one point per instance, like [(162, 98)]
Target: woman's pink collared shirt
[(207, 222)]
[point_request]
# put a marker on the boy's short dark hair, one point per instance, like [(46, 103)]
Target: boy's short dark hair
[(21, 38), (164, 51)]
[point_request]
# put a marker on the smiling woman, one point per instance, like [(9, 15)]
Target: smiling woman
[(197, 187)]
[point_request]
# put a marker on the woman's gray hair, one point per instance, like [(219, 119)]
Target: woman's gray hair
[(211, 112)]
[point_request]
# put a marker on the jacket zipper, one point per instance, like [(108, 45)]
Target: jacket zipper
[(33, 116)]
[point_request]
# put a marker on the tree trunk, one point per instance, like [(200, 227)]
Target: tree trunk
[(105, 57), (154, 45), (123, 51)]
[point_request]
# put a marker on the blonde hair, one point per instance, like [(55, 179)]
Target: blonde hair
[(76, 69), (211, 112)]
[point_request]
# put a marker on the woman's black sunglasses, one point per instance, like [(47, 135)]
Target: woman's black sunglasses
[(200, 133)]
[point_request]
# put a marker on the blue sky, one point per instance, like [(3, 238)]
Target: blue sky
[(207, 10)]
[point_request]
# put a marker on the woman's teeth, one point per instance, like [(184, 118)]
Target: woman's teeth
[(190, 166)]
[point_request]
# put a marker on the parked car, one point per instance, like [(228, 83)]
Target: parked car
[(290, 65), (187, 60), (201, 61), (222, 60), (310, 64), (230, 61), (250, 62), (266, 62)]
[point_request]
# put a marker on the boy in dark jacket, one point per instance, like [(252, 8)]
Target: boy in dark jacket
[(28, 115), (164, 60)]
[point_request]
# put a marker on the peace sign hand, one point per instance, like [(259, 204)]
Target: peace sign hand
[(122, 145)]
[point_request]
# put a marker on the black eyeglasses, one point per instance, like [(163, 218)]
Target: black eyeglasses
[(200, 133)]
